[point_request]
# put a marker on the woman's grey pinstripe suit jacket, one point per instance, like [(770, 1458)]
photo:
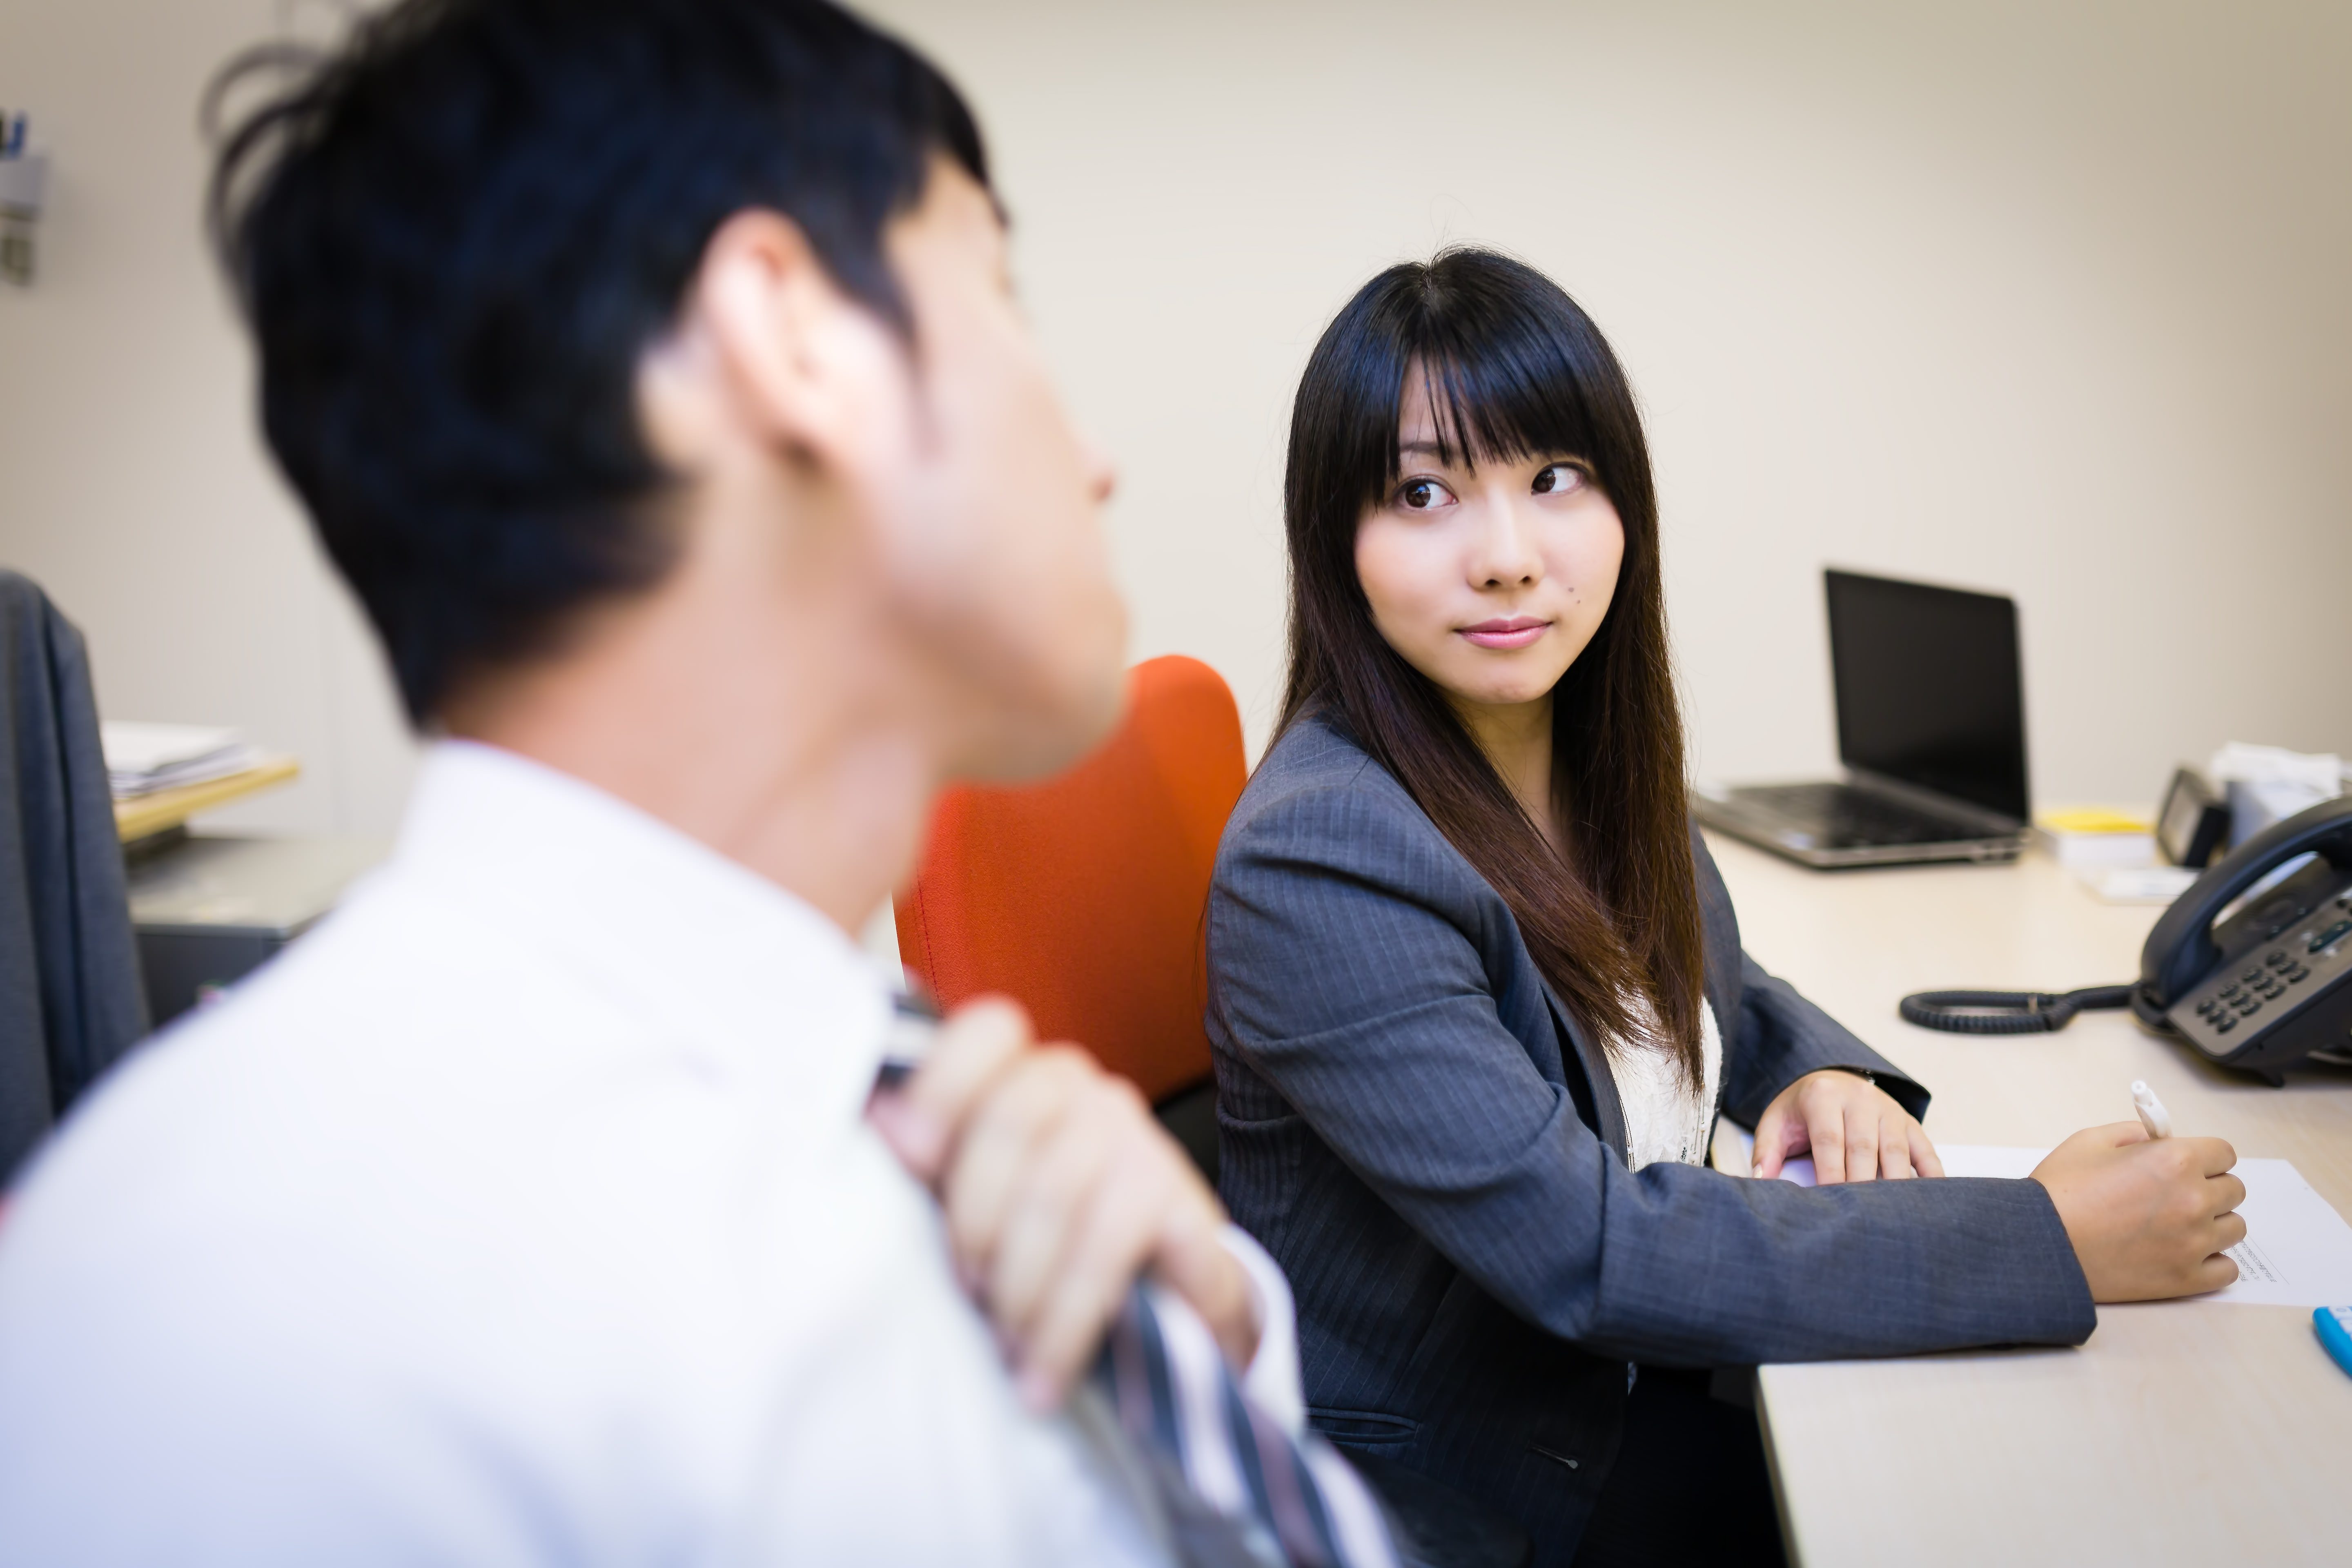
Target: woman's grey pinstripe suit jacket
[(1413, 1126)]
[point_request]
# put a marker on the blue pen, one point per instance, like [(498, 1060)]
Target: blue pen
[(2335, 1326)]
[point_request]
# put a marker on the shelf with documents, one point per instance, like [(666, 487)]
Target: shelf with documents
[(143, 816)]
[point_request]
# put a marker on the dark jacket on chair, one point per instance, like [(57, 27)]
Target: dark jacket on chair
[(69, 994), (1435, 1151)]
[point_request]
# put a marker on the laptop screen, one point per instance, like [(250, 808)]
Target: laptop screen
[(1928, 688)]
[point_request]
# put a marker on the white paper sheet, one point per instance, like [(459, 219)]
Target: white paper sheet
[(2297, 1251), (1798, 1170)]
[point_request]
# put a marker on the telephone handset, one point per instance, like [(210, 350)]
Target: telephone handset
[(2256, 979)]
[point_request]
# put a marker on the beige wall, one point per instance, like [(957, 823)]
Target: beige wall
[(2037, 298), (132, 481)]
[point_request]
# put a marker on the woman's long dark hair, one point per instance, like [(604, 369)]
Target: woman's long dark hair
[(1516, 370)]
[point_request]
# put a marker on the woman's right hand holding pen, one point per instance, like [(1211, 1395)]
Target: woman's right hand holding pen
[(2149, 1217)]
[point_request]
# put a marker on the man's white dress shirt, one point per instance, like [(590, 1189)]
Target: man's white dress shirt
[(524, 1212)]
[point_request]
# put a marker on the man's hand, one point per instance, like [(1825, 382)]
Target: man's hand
[(1059, 1189), (1852, 1126), (2149, 1217)]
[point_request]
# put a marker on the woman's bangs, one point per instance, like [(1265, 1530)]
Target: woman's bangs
[(1503, 402)]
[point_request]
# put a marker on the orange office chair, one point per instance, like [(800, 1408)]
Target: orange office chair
[(1085, 898)]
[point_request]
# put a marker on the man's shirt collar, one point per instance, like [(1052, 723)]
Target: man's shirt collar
[(740, 972)]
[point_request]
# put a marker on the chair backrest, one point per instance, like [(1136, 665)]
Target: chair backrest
[(70, 1000), (1085, 898)]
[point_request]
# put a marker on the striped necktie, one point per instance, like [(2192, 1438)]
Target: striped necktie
[(1229, 1487), (1234, 1488)]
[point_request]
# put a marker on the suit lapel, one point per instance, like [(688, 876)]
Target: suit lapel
[(1719, 949), (1606, 1107)]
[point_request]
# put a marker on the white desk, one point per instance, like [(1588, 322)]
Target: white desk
[(2183, 1432)]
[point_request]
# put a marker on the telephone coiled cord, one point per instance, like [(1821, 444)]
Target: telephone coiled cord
[(2007, 1012)]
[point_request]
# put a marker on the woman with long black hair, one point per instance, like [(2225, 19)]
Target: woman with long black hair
[(1477, 992)]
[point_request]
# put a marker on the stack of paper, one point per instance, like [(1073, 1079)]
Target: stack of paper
[(2113, 854), (2139, 884), (144, 758), (2270, 784), (2094, 837)]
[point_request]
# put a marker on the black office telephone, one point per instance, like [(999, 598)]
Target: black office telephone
[(2255, 980)]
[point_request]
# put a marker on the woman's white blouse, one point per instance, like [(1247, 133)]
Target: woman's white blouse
[(1667, 1118)]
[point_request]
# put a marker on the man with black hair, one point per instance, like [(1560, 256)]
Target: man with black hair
[(650, 371)]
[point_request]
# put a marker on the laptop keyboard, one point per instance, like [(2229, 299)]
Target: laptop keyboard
[(1840, 816)]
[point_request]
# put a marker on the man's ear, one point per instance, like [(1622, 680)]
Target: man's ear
[(801, 364)]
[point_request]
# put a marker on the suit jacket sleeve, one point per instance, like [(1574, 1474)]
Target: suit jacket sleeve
[(1355, 968)]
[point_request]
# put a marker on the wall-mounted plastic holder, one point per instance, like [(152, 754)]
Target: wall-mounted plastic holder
[(24, 179)]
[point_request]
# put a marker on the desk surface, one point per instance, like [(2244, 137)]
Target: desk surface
[(2182, 1432)]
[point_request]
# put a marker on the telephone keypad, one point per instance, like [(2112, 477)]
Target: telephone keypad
[(2302, 964)]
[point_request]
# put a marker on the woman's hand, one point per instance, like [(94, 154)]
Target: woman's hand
[(2149, 1218), (1059, 1190), (1853, 1128)]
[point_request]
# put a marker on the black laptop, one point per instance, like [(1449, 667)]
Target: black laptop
[(1931, 729)]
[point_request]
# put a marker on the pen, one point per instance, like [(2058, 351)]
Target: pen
[(2152, 1114)]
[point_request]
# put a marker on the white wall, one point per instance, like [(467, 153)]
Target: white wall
[(2046, 299)]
